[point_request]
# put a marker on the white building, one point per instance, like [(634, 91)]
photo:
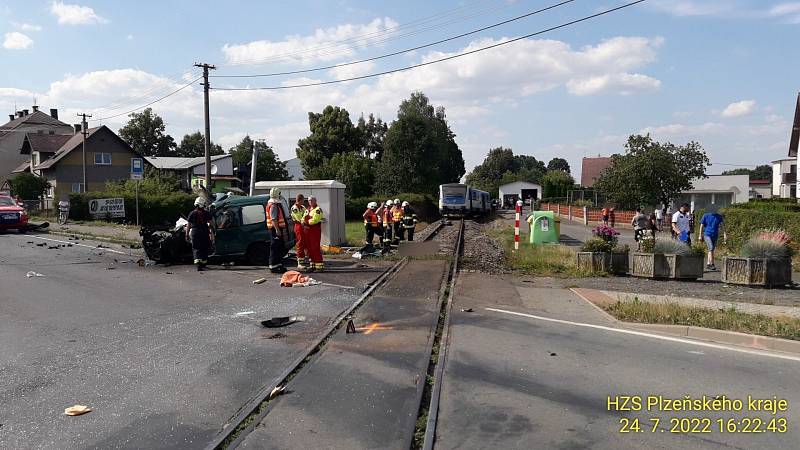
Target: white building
[(784, 178), (720, 190), (192, 170), (511, 192), (330, 197)]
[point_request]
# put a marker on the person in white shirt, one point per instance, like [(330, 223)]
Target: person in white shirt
[(681, 223), (660, 219)]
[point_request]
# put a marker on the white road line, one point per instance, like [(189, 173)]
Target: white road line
[(79, 245), (654, 336)]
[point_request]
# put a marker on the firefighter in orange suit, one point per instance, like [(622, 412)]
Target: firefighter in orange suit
[(312, 224), (371, 224), (388, 224), (298, 213)]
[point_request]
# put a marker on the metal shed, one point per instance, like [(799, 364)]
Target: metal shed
[(330, 197)]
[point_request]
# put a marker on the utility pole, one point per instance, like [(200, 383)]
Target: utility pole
[(253, 164), (206, 88), (85, 132)]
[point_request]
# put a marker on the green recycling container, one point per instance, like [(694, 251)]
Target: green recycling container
[(544, 227)]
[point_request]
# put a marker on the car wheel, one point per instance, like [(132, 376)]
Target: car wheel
[(258, 254), (22, 230)]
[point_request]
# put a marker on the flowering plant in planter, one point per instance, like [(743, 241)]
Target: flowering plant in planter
[(606, 233)]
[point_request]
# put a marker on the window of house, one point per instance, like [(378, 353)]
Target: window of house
[(102, 159), (253, 214), (35, 158), (77, 188)]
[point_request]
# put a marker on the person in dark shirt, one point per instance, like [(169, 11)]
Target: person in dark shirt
[(199, 232)]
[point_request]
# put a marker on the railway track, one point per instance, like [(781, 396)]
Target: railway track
[(254, 411)]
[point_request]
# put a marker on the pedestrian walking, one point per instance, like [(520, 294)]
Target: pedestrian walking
[(659, 213), (681, 223), (710, 229), (279, 231), (199, 233), (312, 224), (298, 212), (604, 215), (371, 224), (397, 220), (640, 223), (653, 224), (409, 222)]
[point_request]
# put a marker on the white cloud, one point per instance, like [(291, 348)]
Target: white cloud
[(685, 8), (15, 40), (26, 26), (738, 109), (355, 70), (790, 12), (324, 45), (129, 37), (624, 84), (75, 14)]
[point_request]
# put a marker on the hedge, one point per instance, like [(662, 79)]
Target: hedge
[(153, 209), (741, 223), (773, 204), (425, 206)]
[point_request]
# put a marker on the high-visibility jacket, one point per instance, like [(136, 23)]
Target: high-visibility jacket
[(379, 213), (370, 218), (281, 219), (387, 217), (313, 216), (298, 212), (409, 217), (397, 213)]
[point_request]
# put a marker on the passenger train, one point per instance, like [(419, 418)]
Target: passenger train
[(460, 200)]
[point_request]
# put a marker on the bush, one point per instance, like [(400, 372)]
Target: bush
[(425, 206), (772, 204), (153, 209), (28, 186), (741, 223), (773, 245), (597, 244)]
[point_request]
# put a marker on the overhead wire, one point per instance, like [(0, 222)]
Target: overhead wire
[(152, 102), (427, 63), (399, 52), (165, 82), (365, 37)]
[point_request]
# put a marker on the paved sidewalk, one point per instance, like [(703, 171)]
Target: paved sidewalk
[(110, 231)]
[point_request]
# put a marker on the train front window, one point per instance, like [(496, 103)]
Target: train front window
[(454, 194)]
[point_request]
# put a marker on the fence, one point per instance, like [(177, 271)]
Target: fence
[(41, 207), (588, 215)]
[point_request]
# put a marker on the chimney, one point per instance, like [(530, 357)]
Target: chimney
[(25, 111), (11, 117), (35, 108), (77, 128), (54, 113), (19, 114)]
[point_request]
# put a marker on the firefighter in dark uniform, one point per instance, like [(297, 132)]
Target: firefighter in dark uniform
[(278, 226), (409, 221), (199, 232)]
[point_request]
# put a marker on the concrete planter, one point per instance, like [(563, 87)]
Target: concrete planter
[(619, 263), (756, 271), (655, 265), (594, 261)]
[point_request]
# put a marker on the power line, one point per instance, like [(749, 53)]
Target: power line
[(399, 52), (154, 101), (366, 36), (122, 103), (427, 63)]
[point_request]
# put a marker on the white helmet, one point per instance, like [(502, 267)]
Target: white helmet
[(372, 205), (200, 201), (405, 204), (389, 203), (397, 201), (275, 193)]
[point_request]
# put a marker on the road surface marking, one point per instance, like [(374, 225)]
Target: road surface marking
[(650, 335), (93, 247), (373, 327)]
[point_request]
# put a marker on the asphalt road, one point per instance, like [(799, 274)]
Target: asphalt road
[(163, 355), (515, 381)]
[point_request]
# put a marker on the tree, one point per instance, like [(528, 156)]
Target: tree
[(501, 167), (354, 170), (419, 152), (28, 186), (651, 172), (556, 184), (762, 172), (145, 133), (268, 166), (194, 145), (558, 164), (373, 133), (332, 132)]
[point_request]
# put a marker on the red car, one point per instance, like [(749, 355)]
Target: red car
[(12, 216)]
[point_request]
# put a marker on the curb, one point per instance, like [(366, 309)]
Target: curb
[(91, 237), (595, 297)]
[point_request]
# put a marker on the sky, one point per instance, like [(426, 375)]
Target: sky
[(723, 73)]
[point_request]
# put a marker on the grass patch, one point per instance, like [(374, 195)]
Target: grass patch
[(540, 260), (719, 319)]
